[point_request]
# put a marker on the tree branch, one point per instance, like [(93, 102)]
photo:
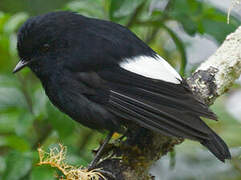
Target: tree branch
[(133, 158), (216, 75)]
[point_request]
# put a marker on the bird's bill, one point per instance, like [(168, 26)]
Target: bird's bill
[(21, 64)]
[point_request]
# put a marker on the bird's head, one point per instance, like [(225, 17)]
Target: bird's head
[(42, 40)]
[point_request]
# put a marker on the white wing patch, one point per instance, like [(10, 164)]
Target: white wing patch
[(152, 67)]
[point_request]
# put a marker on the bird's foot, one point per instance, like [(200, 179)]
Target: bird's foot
[(105, 173), (99, 152)]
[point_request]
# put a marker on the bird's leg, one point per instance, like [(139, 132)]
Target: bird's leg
[(99, 152)]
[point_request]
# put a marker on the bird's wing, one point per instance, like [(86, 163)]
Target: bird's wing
[(165, 107)]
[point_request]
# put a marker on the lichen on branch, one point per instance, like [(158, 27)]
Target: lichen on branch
[(56, 158), (217, 74)]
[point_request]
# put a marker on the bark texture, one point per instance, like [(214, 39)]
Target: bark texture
[(131, 159)]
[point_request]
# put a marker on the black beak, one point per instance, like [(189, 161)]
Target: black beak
[(21, 64)]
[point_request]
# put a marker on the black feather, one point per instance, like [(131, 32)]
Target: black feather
[(159, 92)]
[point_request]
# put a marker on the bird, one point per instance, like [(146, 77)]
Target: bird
[(103, 76)]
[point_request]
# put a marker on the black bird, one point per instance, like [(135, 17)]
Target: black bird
[(103, 76)]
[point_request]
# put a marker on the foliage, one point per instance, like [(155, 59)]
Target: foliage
[(27, 118)]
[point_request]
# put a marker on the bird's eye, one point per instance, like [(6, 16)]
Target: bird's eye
[(45, 47)]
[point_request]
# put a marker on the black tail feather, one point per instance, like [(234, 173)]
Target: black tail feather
[(168, 108), (218, 147)]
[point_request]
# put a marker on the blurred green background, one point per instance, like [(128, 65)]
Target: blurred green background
[(27, 118)]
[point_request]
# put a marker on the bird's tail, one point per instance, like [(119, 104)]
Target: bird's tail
[(217, 146)]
